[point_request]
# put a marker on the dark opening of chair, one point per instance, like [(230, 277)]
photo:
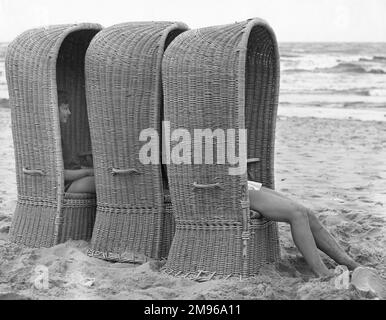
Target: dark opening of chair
[(261, 91), (70, 77)]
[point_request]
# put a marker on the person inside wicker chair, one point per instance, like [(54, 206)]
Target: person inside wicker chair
[(307, 231), (78, 176)]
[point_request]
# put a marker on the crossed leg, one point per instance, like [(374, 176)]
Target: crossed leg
[(307, 232)]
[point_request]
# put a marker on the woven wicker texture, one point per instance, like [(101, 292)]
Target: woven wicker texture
[(223, 77), (39, 63), (124, 95)]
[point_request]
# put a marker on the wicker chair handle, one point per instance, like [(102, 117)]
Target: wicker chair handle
[(115, 171), (33, 172), (207, 186)]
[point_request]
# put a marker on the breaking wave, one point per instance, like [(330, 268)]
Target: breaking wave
[(343, 67)]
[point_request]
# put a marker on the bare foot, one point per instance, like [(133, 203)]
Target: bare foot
[(325, 275)]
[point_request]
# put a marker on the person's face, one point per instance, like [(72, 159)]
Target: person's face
[(64, 112)]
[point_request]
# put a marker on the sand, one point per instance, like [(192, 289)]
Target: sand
[(335, 167)]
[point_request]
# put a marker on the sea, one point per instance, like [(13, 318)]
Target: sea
[(3, 81), (338, 80), (334, 78)]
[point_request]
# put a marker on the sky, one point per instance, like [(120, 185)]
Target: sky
[(292, 20)]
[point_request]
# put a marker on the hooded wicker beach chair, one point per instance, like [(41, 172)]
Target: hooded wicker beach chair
[(40, 63), (223, 77), (124, 91)]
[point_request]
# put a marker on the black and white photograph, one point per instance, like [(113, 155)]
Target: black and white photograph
[(193, 151)]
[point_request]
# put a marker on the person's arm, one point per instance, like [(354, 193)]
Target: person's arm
[(72, 175)]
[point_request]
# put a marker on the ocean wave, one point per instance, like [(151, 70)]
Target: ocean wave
[(374, 59), (343, 67), (363, 105), (288, 55), (357, 92), (364, 92)]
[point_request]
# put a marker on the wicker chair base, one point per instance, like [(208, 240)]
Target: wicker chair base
[(217, 249), (116, 234), (34, 222), (33, 225)]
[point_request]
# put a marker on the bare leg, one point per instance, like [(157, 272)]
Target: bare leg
[(280, 209), (84, 185), (324, 240), (328, 244)]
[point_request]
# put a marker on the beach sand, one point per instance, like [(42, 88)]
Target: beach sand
[(335, 167)]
